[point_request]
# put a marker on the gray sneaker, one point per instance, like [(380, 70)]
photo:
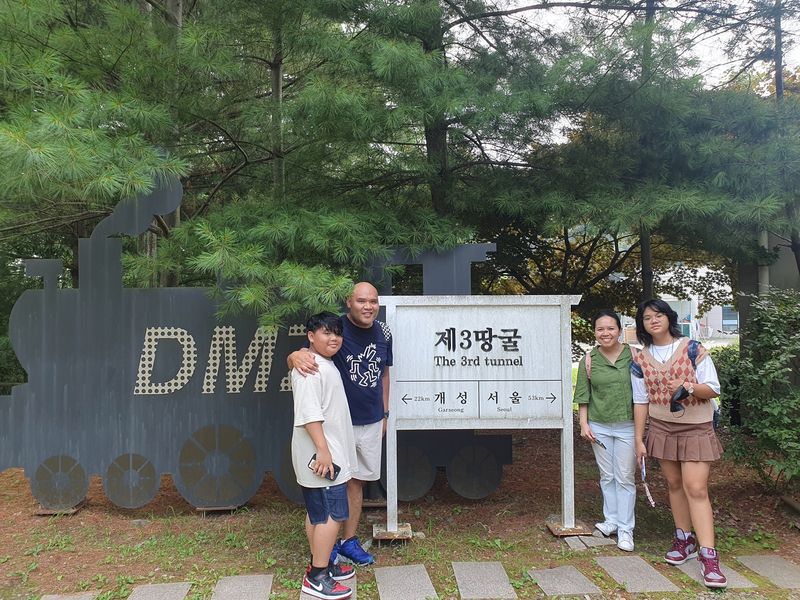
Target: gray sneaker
[(682, 550)]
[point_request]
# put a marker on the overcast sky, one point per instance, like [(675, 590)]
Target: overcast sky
[(714, 63)]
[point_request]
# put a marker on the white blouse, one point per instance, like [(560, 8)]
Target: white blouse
[(705, 373)]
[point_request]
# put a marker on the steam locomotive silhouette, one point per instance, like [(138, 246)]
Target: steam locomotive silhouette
[(134, 383)]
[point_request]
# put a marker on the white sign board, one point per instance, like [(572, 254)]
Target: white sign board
[(481, 362)]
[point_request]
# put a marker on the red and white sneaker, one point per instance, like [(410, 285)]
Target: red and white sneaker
[(709, 568), (323, 586), (682, 550), (337, 572), (341, 572)]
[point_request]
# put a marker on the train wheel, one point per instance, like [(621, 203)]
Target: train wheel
[(218, 468), (131, 481), (285, 477), (59, 483), (415, 473), (474, 472)]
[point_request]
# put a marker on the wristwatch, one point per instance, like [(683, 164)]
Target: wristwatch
[(386, 415), (690, 389)]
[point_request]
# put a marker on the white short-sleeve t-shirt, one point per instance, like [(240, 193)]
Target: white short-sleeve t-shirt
[(321, 397)]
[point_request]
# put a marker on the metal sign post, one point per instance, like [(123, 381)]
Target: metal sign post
[(481, 362)]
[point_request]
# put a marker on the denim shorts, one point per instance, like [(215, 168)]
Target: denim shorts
[(325, 502)]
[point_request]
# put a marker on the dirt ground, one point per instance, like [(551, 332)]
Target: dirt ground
[(108, 550)]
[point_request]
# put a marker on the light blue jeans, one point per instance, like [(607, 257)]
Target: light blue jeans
[(617, 464)]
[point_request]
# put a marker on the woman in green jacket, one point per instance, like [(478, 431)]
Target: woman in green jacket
[(605, 403)]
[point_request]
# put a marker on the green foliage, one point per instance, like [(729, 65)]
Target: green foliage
[(62, 137), (11, 372), (727, 361), (582, 332), (419, 124), (769, 389)]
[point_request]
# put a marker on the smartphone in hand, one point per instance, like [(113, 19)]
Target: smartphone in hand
[(331, 476)]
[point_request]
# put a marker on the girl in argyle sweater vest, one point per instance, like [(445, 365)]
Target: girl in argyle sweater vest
[(681, 436)]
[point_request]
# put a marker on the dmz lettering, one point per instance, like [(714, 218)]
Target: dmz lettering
[(365, 370), (221, 351)]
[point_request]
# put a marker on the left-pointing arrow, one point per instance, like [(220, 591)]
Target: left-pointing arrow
[(405, 398)]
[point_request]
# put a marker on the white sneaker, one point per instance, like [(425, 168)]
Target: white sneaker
[(625, 541), (606, 528)]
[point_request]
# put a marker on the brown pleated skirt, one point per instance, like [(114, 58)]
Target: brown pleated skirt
[(687, 442)]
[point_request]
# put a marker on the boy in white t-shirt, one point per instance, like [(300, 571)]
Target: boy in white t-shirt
[(324, 456)]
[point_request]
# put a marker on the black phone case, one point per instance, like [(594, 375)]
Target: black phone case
[(330, 476)]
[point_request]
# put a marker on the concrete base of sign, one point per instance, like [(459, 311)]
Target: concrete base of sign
[(49, 512), (556, 526), (403, 532)]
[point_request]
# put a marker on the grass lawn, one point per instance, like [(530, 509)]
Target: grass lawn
[(108, 550)]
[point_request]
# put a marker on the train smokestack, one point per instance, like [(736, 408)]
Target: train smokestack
[(132, 217)]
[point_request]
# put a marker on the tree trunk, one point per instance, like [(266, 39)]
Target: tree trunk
[(436, 150), (778, 52), (763, 269), (175, 11), (436, 129), (793, 208), (794, 215), (648, 285), (648, 289), (647, 48), (172, 277), (78, 231), (276, 72), (174, 8)]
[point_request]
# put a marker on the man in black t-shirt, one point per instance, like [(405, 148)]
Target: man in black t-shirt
[(363, 362)]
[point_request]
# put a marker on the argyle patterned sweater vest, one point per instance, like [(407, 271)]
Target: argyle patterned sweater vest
[(656, 381)]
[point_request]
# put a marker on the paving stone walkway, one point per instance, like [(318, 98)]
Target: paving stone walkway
[(489, 580)]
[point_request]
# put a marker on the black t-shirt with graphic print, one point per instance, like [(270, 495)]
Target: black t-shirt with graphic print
[(361, 361)]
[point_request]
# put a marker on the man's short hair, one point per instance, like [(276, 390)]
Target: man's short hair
[(325, 320)]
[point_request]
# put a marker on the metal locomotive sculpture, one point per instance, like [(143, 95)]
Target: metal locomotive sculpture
[(134, 383)]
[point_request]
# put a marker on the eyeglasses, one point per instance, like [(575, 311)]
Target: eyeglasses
[(647, 487)]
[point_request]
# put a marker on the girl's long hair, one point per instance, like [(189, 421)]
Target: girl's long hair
[(659, 306)]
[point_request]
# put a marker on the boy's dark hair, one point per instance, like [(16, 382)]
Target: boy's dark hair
[(659, 306), (325, 320)]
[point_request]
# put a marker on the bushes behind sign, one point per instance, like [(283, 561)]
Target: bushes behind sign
[(768, 373)]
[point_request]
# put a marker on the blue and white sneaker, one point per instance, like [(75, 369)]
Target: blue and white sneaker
[(351, 549), (335, 552)]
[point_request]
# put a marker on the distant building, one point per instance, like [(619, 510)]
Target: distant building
[(719, 322), (783, 274)]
